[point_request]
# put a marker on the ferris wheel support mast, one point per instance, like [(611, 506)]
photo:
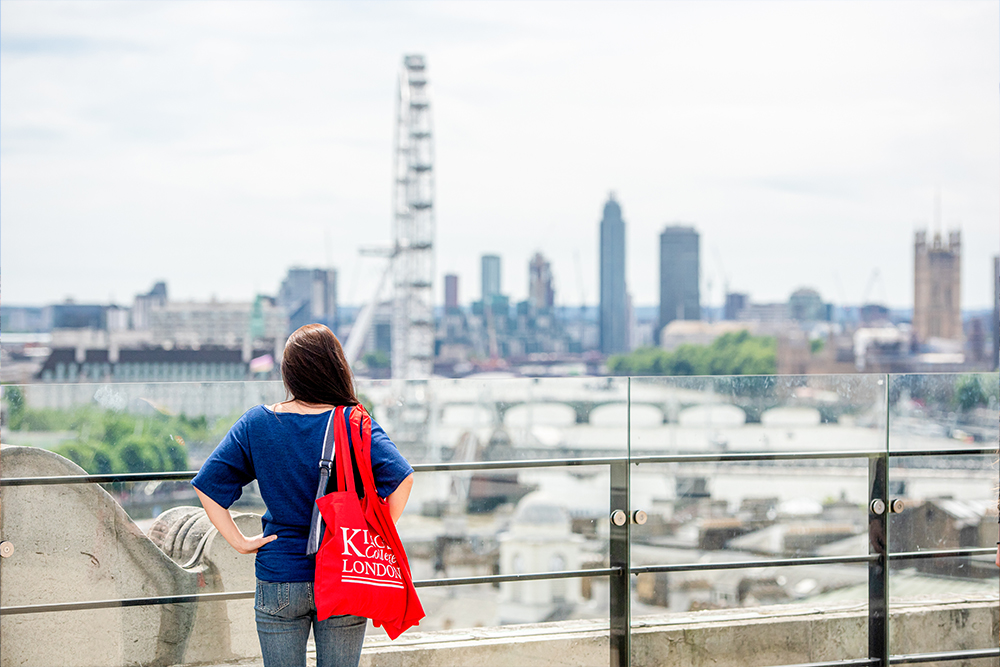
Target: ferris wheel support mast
[(413, 227)]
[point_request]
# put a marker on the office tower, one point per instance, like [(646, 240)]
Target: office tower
[(491, 277), (450, 292), (613, 315), (937, 286), (735, 303), (679, 274), (541, 295), (309, 296)]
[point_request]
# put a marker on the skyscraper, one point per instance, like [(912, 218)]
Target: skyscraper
[(450, 292), (937, 286), (613, 315), (541, 295), (679, 274), (308, 296), (491, 277)]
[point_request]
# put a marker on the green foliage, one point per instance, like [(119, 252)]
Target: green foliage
[(731, 354), (816, 345), (969, 393), (125, 443), (376, 359), (366, 401), (15, 404), (109, 441)]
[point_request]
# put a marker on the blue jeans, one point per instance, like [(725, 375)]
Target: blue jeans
[(285, 612)]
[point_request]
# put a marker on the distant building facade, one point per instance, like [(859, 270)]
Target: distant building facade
[(806, 305), (765, 312), (450, 292), (308, 296), (144, 303), (937, 286), (613, 306), (680, 298), (491, 277), (23, 319), (541, 293), (874, 313), (152, 364), (71, 315), (194, 323), (735, 303)]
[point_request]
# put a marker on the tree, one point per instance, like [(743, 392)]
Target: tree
[(969, 393), (376, 359), (15, 407), (731, 354)]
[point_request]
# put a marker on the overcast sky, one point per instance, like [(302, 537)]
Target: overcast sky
[(215, 144)]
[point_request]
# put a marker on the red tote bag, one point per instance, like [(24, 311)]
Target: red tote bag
[(361, 567)]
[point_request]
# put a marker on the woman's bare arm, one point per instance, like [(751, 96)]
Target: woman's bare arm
[(223, 522), (397, 499)]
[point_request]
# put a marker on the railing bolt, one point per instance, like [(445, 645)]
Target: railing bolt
[(897, 506), (878, 506), (619, 518), (6, 549)]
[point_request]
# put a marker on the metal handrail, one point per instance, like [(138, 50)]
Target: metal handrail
[(909, 659), (178, 476), (942, 553), (746, 564), (857, 662), (972, 654), (727, 457), (532, 576), (243, 595)]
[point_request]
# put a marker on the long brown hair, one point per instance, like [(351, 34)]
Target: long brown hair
[(314, 368)]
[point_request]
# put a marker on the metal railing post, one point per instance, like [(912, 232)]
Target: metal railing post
[(620, 589), (878, 544)]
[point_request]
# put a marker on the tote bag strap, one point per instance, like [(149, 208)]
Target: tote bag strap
[(361, 426), (360, 439), (316, 527), (345, 471)]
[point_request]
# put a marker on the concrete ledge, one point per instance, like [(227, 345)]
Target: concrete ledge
[(759, 637)]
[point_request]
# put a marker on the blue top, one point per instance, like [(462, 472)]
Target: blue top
[(281, 451)]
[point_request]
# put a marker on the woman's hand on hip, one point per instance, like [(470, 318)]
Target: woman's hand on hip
[(223, 522), (250, 545)]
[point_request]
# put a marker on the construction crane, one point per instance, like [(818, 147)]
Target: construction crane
[(873, 280)]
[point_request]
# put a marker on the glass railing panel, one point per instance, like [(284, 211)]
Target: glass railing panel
[(943, 411), (944, 504), (459, 523), (943, 482), (504, 521), (89, 544), (746, 487), (787, 413), (75, 548), (443, 420)]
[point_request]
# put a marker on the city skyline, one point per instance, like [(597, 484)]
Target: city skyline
[(215, 162)]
